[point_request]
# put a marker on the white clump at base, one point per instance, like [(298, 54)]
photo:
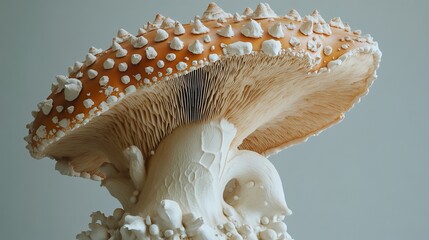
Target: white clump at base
[(170, 224)]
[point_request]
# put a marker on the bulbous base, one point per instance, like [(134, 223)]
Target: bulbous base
[(164, 225)]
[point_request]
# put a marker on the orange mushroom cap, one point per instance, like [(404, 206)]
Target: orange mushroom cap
[(278, 79)]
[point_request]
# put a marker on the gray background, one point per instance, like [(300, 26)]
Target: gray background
[(366, 178)]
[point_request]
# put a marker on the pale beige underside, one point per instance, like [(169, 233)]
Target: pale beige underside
[(272, 101)]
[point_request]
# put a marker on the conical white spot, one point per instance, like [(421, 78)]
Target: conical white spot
[(90, 59), (136, 58), (151, 53), (167, 23), (196, 47), (116, 46), (214, 12), (122, 33), (294, 42), (293, 15), (158, 19), (252, 29), (337, 23), (122, 67), (226, 31), (46, 106), (247, 12), (176, 44), (94, 50), (307, 28), (161, 35), (178, 29), (198, 27), (317, 17), (92, 73), (276, 30), (121, 53), (262, 12), (141, 31), (108, 64), (237, 18), (138, 42)]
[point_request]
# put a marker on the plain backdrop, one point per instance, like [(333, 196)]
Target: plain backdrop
[(366, 178)]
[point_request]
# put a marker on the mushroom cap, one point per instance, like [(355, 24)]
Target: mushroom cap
[(279, 80)]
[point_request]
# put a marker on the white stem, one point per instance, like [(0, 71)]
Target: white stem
[(196, 182), (187, 168)]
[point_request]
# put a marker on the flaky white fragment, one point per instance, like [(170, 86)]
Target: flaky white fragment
[(181, 66), (271, 47), (70, 109), (327, 50), (88, 103), (46, 106), (122, 67), (213, 57), (94, 50), (207, 38), (125, 79), (90, 59), (138, 42), (136, 58), (238, 48), (322, 28), (160, 64), (104, 80), (92, 73), (130, 89), (109, 64), (72, 89), (170, 57), (148, 70), (313, 45), (151, 53)]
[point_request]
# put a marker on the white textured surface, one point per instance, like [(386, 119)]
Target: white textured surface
[(368, 167)]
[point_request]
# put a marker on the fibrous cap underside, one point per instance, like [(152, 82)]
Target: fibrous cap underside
[(272, 101)]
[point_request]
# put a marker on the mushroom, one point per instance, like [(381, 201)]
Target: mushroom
[(181, 119)]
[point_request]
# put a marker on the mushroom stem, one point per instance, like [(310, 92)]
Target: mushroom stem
[(196, 180), (187, 168)]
